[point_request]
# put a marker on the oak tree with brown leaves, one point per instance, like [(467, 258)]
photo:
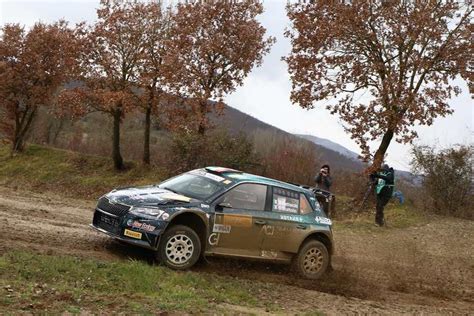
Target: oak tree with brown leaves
[(405, 54), (156, 70), (113, 48), (216, 45), (34, 63)]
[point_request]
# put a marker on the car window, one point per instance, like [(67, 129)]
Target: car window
[(285, 201), (305, 207), (247, 196)]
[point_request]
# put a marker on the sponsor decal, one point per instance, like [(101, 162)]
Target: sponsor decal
[(227, 182), (175, 197), (269, 254), (214, 177), (323, 220), (137, 197), (208, 175), (284, 229), (165, 216), (237, 220), (236, 176), (219, 228), (142, 226), (132, 234), (285, 204), (205, 205), (269, 230), (291, 218), (213, 239)]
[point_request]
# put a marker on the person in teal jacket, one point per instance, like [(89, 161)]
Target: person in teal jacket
[(385, 182)]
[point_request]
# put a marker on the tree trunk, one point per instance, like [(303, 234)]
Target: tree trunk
[(380, 153), (22, 126), (146, 140), (202, 117), (116, 156)]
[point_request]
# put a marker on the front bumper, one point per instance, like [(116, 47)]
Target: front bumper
[(115, 227), (140, 243)]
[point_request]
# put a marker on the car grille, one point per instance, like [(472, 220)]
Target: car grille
[(106, 222), (115, 209)]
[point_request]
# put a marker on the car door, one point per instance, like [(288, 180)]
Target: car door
[(238, 220), (290, 222)]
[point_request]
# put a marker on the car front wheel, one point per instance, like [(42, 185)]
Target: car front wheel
[(179, 248), (312, 260)]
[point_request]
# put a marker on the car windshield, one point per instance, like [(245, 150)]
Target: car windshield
[(192, 185)]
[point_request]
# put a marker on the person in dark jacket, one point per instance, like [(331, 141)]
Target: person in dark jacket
[(323, 186), (323, 179), (385, 181)]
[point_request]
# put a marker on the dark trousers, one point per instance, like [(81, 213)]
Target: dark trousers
[(382, 200)]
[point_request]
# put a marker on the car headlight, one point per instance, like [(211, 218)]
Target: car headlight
[(146, 211)]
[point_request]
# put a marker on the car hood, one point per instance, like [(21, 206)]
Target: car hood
[(148, 195)]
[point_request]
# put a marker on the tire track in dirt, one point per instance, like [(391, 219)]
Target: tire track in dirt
[(55, 225), (394, 272)]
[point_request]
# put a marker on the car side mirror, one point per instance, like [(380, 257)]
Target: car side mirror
[(220, 207)]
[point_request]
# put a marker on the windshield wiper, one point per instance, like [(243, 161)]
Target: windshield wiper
[(174, 191)]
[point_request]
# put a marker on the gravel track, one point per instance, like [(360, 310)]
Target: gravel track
[(426, 269)]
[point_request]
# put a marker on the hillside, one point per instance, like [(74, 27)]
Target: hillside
[(92, 135), (338, 156), (331, 145), (329, 152)]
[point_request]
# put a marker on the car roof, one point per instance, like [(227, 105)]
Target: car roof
[(239, 176)]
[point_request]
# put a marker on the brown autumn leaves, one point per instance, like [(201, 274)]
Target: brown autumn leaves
[(172, 61), (138, 55), (406, 54)]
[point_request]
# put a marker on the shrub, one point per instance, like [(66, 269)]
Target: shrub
[(190, 150), (447, 179), (287, 158)]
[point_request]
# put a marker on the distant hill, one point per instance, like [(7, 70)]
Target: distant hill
[(329, 152), (338, 156), (331, 145)]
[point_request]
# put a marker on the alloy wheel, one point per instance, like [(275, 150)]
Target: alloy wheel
[(179, 249)]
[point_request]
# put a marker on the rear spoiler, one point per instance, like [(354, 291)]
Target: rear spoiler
[(315, 190)]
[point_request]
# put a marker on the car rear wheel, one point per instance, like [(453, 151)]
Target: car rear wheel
[(179, 248), (312, 260)]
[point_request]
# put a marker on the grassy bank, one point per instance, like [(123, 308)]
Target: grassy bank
[(56, 284), (69, 173)]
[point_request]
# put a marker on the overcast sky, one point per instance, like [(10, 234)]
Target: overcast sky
[(265, 93)]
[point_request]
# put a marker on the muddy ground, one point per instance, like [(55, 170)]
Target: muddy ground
[(424, 269)]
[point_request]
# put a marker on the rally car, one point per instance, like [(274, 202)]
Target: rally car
[(218, 211)]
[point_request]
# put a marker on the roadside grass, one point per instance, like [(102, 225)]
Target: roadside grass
[(73, 174), (55, 284), (396, 216)]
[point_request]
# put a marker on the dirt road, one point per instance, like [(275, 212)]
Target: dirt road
[(425, 269)]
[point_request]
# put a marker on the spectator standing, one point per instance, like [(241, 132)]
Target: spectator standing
[(384, 189), (323, 185), (323, 179)]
